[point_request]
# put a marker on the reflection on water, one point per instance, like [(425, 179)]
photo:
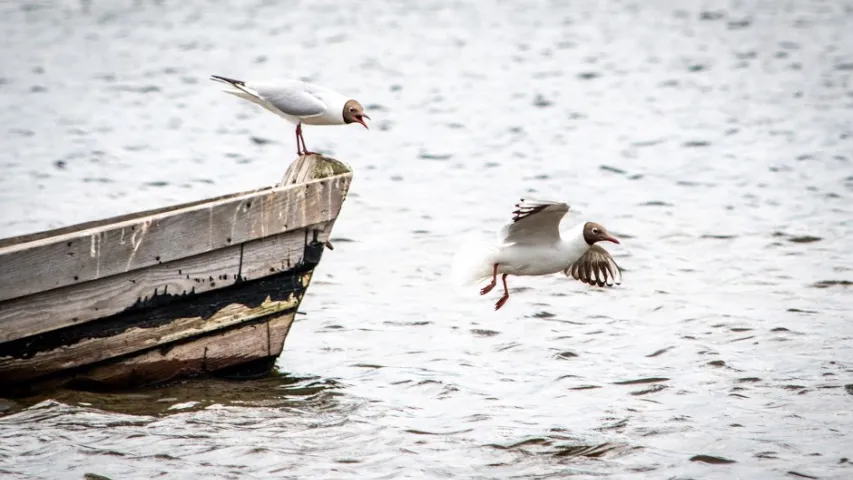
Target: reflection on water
[(278, 391), (713, 137)]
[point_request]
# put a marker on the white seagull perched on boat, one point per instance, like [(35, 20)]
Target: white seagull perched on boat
[(532, 245), (298, 102)]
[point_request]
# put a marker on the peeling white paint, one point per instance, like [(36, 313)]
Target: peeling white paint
[(210, 227), (234, 224), (263, 218), (136, 240), (98, 256)]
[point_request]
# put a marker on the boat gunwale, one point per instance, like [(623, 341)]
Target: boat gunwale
[(20, 242)]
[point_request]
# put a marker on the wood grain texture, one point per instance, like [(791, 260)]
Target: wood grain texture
[(84, 302), (111, 249), (91, 350), (206, 355), (309, 167), (278, 334), (55, 232)]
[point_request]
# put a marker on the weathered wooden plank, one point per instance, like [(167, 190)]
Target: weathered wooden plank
[(309, 167), (80, 256), (16, 365), (209, 354), (220, 355), (278, 334), (31, 237), (84, 302)]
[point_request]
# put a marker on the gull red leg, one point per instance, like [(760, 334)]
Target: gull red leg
[(304, 148), (488, 288), (503, 299), (298, 134)]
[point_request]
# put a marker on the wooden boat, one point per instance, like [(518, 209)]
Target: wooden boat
[(205, 287)]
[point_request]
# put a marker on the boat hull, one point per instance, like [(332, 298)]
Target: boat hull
[(215, 292)]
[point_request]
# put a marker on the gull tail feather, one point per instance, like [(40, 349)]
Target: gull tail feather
[(226, 80), (473, 262), (239, 89)]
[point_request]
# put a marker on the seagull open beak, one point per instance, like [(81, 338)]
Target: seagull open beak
[(360, 119)]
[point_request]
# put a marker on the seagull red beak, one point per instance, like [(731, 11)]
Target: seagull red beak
[(613, 239), (360, 119)]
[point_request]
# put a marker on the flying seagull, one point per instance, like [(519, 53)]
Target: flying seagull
[(532, 245)]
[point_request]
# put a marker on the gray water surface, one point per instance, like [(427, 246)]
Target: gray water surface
[(715, 138)]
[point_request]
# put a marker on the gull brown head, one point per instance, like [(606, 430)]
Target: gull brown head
[(354, 113), (593, 232)]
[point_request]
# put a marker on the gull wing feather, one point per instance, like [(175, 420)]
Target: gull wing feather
[(596, 267), (534, 222), (290, 97)]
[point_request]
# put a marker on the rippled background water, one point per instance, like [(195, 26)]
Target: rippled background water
[(714, 137)]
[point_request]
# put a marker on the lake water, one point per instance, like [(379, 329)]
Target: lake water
[(714, 138)]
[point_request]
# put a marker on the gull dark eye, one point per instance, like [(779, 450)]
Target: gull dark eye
[(351, 109), (595, 231)]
